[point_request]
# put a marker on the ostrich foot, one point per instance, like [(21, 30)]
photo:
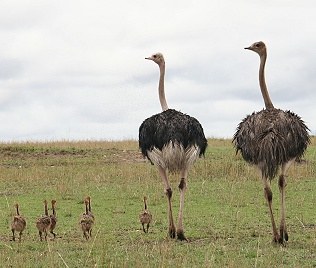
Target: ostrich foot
[(276, 238), (172, 232), (180, 235), (283, 237)]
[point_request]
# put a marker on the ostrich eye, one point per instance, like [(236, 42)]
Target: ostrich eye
[(257, 45), (155, 56)]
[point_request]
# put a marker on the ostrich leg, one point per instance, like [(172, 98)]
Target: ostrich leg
[(282, 184), (182, 188), (268, 196), (168, 192)]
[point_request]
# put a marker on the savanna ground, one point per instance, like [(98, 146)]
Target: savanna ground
[(226, 217)]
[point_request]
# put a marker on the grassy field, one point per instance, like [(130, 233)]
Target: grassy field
[(226, 217)]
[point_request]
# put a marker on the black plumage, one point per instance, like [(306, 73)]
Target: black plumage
[(171, 125)]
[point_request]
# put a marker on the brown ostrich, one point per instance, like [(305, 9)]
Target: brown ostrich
[(86, 221), (18, 223), (43, 222), (53, 218), (270, 139), (145, 216)]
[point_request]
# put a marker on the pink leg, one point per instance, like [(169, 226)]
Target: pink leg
[(282, 184), (182, 188), (168, 192)]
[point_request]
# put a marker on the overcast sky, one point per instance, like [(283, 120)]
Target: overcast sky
[(74, 70)]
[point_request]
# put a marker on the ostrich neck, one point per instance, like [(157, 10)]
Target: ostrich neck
[(17, 211), (145, 205), (265, 94), (161, 88), (54, 211), (87, 209), (46, 210)]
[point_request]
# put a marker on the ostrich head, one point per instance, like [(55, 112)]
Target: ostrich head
[(157, 57), (258, 47), (53, 202), (45, 202)]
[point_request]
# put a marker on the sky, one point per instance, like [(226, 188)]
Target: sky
[(76, 70)]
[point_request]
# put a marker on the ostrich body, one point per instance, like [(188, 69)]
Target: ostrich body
[(171, 141), (43, 222), (86, 221), (269, 139), (145, 216), (53, 218), (18, 223)]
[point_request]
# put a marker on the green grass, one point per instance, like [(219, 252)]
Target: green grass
[(226, 217)]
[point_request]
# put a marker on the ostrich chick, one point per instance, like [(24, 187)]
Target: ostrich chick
[(86, 221), (145, 216), (43, 223), (18, 223), (53, 218)]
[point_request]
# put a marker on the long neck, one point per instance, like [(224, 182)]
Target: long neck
[(53, 208), (89, 205), (145, 204), (161, 88), (17, 211), (87, 208), (46, 210), (264, 90)]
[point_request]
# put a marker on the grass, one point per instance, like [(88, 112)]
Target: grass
[(226, 216)]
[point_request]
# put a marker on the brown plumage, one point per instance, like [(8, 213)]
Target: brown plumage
[(43, 222), (145, 216), (53, 218), (270, 139), (18, 223), (86, 221)]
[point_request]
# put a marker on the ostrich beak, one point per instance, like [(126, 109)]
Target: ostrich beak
[(148, 58), (247, 48)]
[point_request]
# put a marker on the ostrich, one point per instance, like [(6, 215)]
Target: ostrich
[(270, 139), (171, 141), (53, 219), (43, 222), (86, 221), (18, 223), (145, 216)]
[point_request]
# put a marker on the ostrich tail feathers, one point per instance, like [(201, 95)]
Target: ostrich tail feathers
[(174, 156)]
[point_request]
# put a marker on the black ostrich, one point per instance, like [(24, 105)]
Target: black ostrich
[(171, 140), (270, 139)]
